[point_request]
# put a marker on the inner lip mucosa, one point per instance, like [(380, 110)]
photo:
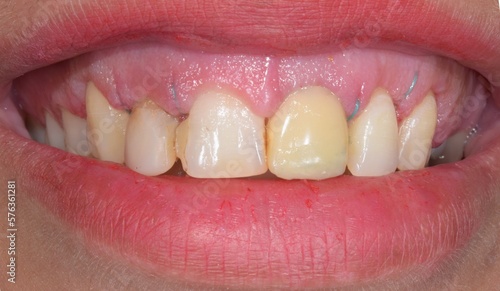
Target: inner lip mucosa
[(158, 109)]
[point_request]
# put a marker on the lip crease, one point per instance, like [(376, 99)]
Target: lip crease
[(259, 232)]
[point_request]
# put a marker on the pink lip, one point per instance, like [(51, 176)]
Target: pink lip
[(257, 232)]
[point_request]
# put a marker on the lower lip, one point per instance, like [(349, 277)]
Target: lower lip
[(265, 232)]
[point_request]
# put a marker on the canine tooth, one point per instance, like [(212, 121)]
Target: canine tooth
[(373, 138), (453, 150), (307, 137), (106, 127), (75, 134), (149, 147), (55, 133), (221, 138), (416, 134), (36, 130)]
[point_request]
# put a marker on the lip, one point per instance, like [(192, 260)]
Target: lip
[(269, 233), (465, 31)]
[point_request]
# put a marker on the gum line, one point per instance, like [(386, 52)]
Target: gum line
[(171, 78)]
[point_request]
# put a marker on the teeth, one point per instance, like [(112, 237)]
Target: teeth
[(106, 127), (373, 138), (307, 137), (75, 134), (221, 138), (55, 133), (452, 150), (416, 134), (36, 130), (150, 140)]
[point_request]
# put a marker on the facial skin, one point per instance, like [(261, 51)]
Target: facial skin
[(51, 255)]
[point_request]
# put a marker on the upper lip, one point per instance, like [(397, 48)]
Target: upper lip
[(469, 36)]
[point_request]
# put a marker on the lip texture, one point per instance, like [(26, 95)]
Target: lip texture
[(466, 30), (263, 233)]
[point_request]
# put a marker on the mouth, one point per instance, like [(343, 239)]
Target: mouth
[(242, 148)]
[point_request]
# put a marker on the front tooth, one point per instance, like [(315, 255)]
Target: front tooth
[(307, 137), (150, 140), (75, 134), (55, 133), (416, 134), (453, 149), (373, 138), (221, 138), (106, 127)]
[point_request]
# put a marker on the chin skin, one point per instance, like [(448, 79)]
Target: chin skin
[(50, 255)]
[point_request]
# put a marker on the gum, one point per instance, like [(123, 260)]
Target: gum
[(172, 77)]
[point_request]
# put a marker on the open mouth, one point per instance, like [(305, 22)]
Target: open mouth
[(345, 160)]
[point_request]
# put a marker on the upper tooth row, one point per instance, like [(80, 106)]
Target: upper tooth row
[(307, 138)]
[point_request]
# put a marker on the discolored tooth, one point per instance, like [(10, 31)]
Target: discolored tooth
[(36, 130), (307, 137), (373, 138), (415, 135), (149, 147), (453, 150), (221, 138), (75, 134), (106, 127), (55, 133)]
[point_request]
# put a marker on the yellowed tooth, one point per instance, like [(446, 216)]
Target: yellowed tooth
[(373, 138), (150, 139), (307, 137), (221, 138), (415, 135), (55, 133), (75, 134), (106, 127)]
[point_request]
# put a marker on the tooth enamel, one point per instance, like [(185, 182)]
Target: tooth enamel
[(373, 138), (416, 134), (221, 138), (55, 133), (453, 150), (36, 130), (106, 127), (181, 137), (149, 148), (75, 134), (307, 137)]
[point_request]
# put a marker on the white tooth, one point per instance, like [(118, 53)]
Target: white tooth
[(75, 134), (221, 138), (149, 148), (36, 130), (453, 150), (106, 127), (373, 138), (55, 133), (307, 137), (416, 134)]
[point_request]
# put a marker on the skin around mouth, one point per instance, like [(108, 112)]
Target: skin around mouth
[(244, 234)]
